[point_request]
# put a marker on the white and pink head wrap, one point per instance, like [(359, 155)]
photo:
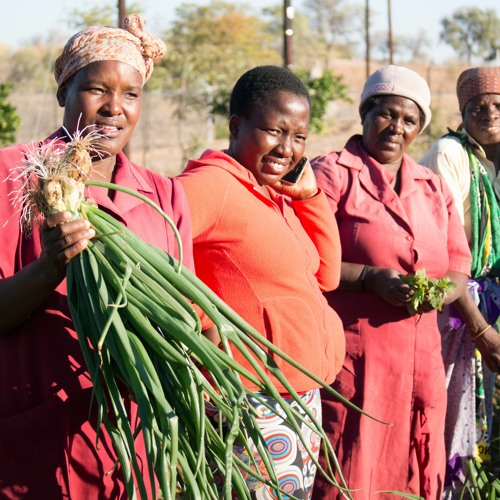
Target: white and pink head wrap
[(132, 45), (399, 81)]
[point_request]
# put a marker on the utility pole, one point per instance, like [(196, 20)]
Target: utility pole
[(389, 42), (122, 12), (367, 38), (288, 15)]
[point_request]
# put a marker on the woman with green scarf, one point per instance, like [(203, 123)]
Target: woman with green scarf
[(469, 160)]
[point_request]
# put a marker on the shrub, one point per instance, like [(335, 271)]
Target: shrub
[(9, 118)]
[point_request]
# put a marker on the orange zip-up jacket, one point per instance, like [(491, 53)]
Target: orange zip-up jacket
[(270, 260)]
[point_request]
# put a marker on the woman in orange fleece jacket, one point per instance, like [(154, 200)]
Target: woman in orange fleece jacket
[(270, 249)]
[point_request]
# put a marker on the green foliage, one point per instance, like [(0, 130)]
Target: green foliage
[(332, 23), (324, 89), (483, 480), (472, 32), (306, 45), (30, 65), (329, 18), (429, 290), (220, 104), (99, 15), (9, 119), (217, 42)]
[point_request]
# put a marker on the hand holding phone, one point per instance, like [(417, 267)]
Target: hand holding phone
[(295, 174)]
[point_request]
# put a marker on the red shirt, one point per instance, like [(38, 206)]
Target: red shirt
[(47, 439), (269, 259)]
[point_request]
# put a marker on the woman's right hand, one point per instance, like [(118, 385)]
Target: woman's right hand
[(62, 239), (386, 283)]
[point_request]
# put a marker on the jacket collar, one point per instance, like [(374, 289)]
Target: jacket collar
[(222, 160)]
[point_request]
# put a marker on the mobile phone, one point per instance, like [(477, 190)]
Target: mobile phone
[(295, 174)]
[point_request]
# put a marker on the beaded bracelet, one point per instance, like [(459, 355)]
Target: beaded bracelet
[(480, 333)]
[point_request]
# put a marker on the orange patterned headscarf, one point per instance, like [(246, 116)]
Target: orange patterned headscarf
[(132, 45), (477, 81)]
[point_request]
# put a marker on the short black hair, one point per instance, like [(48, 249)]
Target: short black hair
[(374, 100), (259, 84)]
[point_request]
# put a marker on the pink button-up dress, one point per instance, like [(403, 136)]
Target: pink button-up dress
[(393, 367)]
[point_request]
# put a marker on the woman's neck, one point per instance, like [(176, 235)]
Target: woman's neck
[(394, 178), (492, 153), (496, 158), (103, 170)]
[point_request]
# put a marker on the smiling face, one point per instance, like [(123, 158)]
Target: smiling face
[(105, 95), (389, 127), (272, 139), (481, 119)]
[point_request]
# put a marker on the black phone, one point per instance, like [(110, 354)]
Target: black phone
[(295, 174)]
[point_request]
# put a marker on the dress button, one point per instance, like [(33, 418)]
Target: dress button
[(409, 238)]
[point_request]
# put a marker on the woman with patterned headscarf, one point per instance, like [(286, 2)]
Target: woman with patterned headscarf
[(469, 160), (50, 446)]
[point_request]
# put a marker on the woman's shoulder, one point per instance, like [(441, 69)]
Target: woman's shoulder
[(346, 157), (214, 172), (447, 156), (11, 163), (449, 145), (325, 164), (432, 180), (13, 152), (152, 177), (421, 170), (168, 191)]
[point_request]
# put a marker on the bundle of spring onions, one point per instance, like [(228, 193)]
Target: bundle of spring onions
[(131, 304)]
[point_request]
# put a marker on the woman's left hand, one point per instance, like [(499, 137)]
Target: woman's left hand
[(304, 189)]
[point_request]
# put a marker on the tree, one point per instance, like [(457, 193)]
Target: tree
[(406, 48), (101, 14), (323, 90), (306, 44), (472, 32), (416, 46), (209, 47), (218, 42), (31, 65), (332, 21), (9, 119)]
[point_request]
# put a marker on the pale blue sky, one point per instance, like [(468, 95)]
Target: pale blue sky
[(24, 20)]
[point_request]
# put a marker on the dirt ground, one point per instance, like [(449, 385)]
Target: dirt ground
[(163, 143)]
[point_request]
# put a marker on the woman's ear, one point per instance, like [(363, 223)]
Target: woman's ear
[(234, 125), (61, 95)]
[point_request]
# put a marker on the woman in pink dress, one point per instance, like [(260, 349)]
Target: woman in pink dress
[(48, 440), (395, 217)]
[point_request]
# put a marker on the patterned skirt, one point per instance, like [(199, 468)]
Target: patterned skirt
[(293, 466)]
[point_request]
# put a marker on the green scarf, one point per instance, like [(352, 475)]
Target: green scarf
[(484, 213)]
